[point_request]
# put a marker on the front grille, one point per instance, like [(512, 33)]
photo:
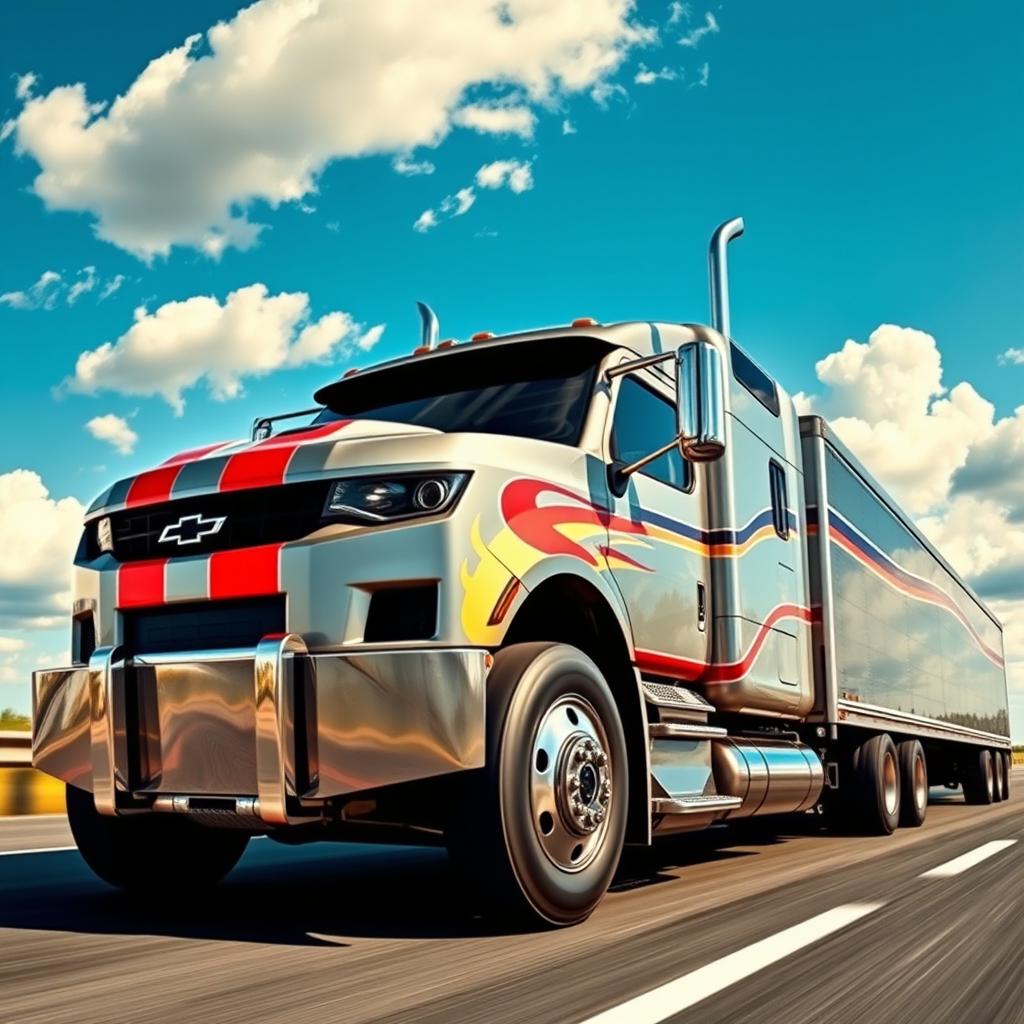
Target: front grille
[(265, 515), (203, 625)]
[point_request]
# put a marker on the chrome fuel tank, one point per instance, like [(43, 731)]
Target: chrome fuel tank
[(769, 776)]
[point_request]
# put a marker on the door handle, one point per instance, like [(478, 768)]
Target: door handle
[(702, 606)]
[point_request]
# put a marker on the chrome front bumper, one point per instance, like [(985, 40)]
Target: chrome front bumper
[(277, 729)]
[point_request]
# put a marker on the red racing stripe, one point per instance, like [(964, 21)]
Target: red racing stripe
[(720, 672), (141, 584), (246, 572), (265, 463), (155, 485), (194, 453)]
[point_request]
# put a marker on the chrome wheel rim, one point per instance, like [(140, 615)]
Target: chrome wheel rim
[(890, 787), (920, 784), (571, 783)]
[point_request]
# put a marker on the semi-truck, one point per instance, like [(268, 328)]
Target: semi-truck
[(534, 597)]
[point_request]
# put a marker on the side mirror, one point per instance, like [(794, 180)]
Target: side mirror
[(700, 402)]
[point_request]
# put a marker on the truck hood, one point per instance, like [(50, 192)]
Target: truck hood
[(290, 457)]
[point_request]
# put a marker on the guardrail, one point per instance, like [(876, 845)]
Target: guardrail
[(15, 749)]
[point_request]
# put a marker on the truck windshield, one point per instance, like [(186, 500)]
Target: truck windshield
[(526, 389)]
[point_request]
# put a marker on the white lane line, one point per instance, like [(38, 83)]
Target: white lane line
[(667, 1000), (960, 864), (39, 849)]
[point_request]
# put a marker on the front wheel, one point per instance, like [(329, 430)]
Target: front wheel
[(151, 853), (538, 832)]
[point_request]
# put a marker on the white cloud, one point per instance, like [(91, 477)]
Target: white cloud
[(425, 221), (272, 96), (1012, 355), (85, 283), (115, 431), (40, 537), (497, 119), (887, 400), (404, 164), (695, 35), (678, 11), (200, 339), (516, 174), (703, 74), (113, 285), (42, 295), (23, 87), (568, 128), (645, 76), (10, 644)]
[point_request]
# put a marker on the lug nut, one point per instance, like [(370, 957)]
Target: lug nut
[(602, 758), (574, 782), (577, 756)]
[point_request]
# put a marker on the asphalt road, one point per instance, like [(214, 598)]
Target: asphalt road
[(777, 923)]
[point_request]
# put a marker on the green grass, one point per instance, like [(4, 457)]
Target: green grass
[(11, 720)]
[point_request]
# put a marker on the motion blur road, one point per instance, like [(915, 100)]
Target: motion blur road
[(778, 923)]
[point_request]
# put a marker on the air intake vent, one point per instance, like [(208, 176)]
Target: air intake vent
[(402, 613)]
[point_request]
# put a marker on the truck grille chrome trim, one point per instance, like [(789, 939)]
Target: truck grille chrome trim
[(274, 680), (107, 727)]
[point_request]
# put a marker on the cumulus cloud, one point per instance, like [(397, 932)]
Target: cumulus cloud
[(695, 35), (40, 535), (202, 340), (568, 128), (256, 109), (942, 454), (1013, 356), (645, 76), (887, 400), (115, 431)]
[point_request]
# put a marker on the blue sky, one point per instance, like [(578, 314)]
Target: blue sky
[(874, 149)]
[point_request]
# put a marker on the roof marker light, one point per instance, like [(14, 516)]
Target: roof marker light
[(585, 321), (449, 343), (483, 336), (350, 373)]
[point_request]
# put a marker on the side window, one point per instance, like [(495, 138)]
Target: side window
[(754, 379), (644, 422), (780, 499)]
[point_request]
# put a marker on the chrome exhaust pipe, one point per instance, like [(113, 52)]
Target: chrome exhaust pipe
[(430, 331), (718, 272)]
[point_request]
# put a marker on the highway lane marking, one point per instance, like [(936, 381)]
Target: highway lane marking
[(960, 864), (669, 999)]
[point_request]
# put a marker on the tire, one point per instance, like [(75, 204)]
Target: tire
[(977, 777), (877, 785), (913, 784), (1007, 767), (998, 776), (151, 853), (528, 854)]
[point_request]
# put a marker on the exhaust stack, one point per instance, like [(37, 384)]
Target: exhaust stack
[(431, 328), (718, 272)]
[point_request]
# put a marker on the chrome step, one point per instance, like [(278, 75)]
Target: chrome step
[(694, 804), (667, 695), (684, 731)]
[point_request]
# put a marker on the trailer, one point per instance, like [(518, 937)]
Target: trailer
[(532, 597)]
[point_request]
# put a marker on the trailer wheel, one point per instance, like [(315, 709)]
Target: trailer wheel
[(151, 853), (977, 777), (998, 776), (913, 784), (1007, 766), (539, 831), (877, 781)]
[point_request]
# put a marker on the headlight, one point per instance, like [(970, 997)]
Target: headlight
[(383, 499), (105, 535)]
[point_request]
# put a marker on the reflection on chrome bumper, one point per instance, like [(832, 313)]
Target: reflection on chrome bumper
[(278, 724)]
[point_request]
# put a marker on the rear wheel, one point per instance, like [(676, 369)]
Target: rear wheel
[(998, 776), (151, 853), (977, 777), (913, 784), (538, 832), (877, 785), (1007, 765)]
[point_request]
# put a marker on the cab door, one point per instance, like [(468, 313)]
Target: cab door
[(661, 569)]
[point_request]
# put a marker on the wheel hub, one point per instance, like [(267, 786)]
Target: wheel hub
[(571, 783), (585, 785)]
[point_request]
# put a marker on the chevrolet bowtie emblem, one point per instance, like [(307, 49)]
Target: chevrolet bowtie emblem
[(191, 529)]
